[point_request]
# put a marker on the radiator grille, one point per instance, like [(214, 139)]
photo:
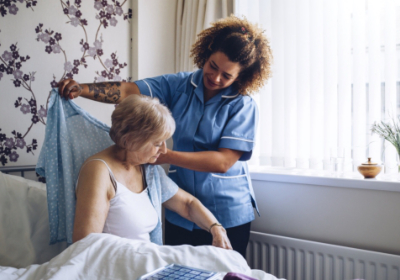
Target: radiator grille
[(296, 259)]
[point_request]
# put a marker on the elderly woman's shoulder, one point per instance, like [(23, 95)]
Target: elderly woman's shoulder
[(94, 165), (155, 171), (99, 162), (152, 169)]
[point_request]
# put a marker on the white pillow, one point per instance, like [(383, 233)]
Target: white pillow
[(24, 224)]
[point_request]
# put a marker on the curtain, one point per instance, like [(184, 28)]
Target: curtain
[(336, 71), (192, 17)]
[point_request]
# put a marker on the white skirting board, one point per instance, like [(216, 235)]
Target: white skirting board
[(296, 259)]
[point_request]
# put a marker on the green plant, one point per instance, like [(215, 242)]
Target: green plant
[(389, 131)]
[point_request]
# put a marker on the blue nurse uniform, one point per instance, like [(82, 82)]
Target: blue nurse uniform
[(228, 120)]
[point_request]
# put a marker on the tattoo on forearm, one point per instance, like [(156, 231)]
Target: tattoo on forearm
[(106, 92)]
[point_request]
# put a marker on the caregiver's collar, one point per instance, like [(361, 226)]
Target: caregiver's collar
[(197, 82)]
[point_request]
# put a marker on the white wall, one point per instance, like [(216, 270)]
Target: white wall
[(354, 217), (153, 50), (153, 34)]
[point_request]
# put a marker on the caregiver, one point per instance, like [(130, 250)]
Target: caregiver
[(216, 121)]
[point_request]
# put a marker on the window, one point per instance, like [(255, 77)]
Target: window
[(336, 71)]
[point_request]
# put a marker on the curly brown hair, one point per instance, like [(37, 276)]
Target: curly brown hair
[(241, 41)]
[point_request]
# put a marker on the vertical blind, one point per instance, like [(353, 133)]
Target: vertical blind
[(335, 72)]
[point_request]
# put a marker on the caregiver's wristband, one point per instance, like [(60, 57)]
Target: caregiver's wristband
[(213, 225)]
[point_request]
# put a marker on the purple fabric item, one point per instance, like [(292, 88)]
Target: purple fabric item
[(237, 276)]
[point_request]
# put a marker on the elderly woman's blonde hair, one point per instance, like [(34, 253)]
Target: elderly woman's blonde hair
[(139, 119)]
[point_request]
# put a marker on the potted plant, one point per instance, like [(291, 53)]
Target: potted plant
[(389, 131)]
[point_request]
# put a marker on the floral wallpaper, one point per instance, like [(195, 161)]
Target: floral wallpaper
[(43, 42)]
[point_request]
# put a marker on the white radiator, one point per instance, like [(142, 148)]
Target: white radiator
[(296, 259)]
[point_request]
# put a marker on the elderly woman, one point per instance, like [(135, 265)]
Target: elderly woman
[(120, 192)]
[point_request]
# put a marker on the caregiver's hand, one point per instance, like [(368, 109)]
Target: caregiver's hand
[(69, 89), (164, 158), (220, 238)]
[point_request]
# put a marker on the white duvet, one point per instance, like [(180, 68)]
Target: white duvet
[(26, 254), (104, 256)]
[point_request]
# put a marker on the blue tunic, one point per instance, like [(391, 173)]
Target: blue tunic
[(228, 120)]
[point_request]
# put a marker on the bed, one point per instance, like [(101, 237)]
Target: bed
[(25, 252)]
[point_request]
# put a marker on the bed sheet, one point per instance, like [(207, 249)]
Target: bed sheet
[(105, 256)]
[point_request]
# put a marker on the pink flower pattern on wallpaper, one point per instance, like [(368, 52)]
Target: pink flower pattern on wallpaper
[(11, 63), (10, 6)]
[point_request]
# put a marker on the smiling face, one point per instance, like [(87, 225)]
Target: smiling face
[(219, 73)]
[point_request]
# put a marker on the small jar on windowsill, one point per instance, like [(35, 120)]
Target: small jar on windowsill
[(369, 169)]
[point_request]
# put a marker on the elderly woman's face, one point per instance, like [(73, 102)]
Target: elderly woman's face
[(151, 151)]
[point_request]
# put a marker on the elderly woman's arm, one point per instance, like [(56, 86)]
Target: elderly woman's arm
[(94, 191), (191, 208)]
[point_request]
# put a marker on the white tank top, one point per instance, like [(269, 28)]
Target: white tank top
[(131, 215)]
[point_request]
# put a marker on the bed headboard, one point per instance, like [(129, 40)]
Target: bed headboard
[(17, 170), (24, 200)]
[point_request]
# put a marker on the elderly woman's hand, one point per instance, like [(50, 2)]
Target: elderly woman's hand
[(220, 238), (190, 208), (69, 89)]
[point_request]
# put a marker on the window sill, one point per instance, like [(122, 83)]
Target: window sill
[(385, 182)]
